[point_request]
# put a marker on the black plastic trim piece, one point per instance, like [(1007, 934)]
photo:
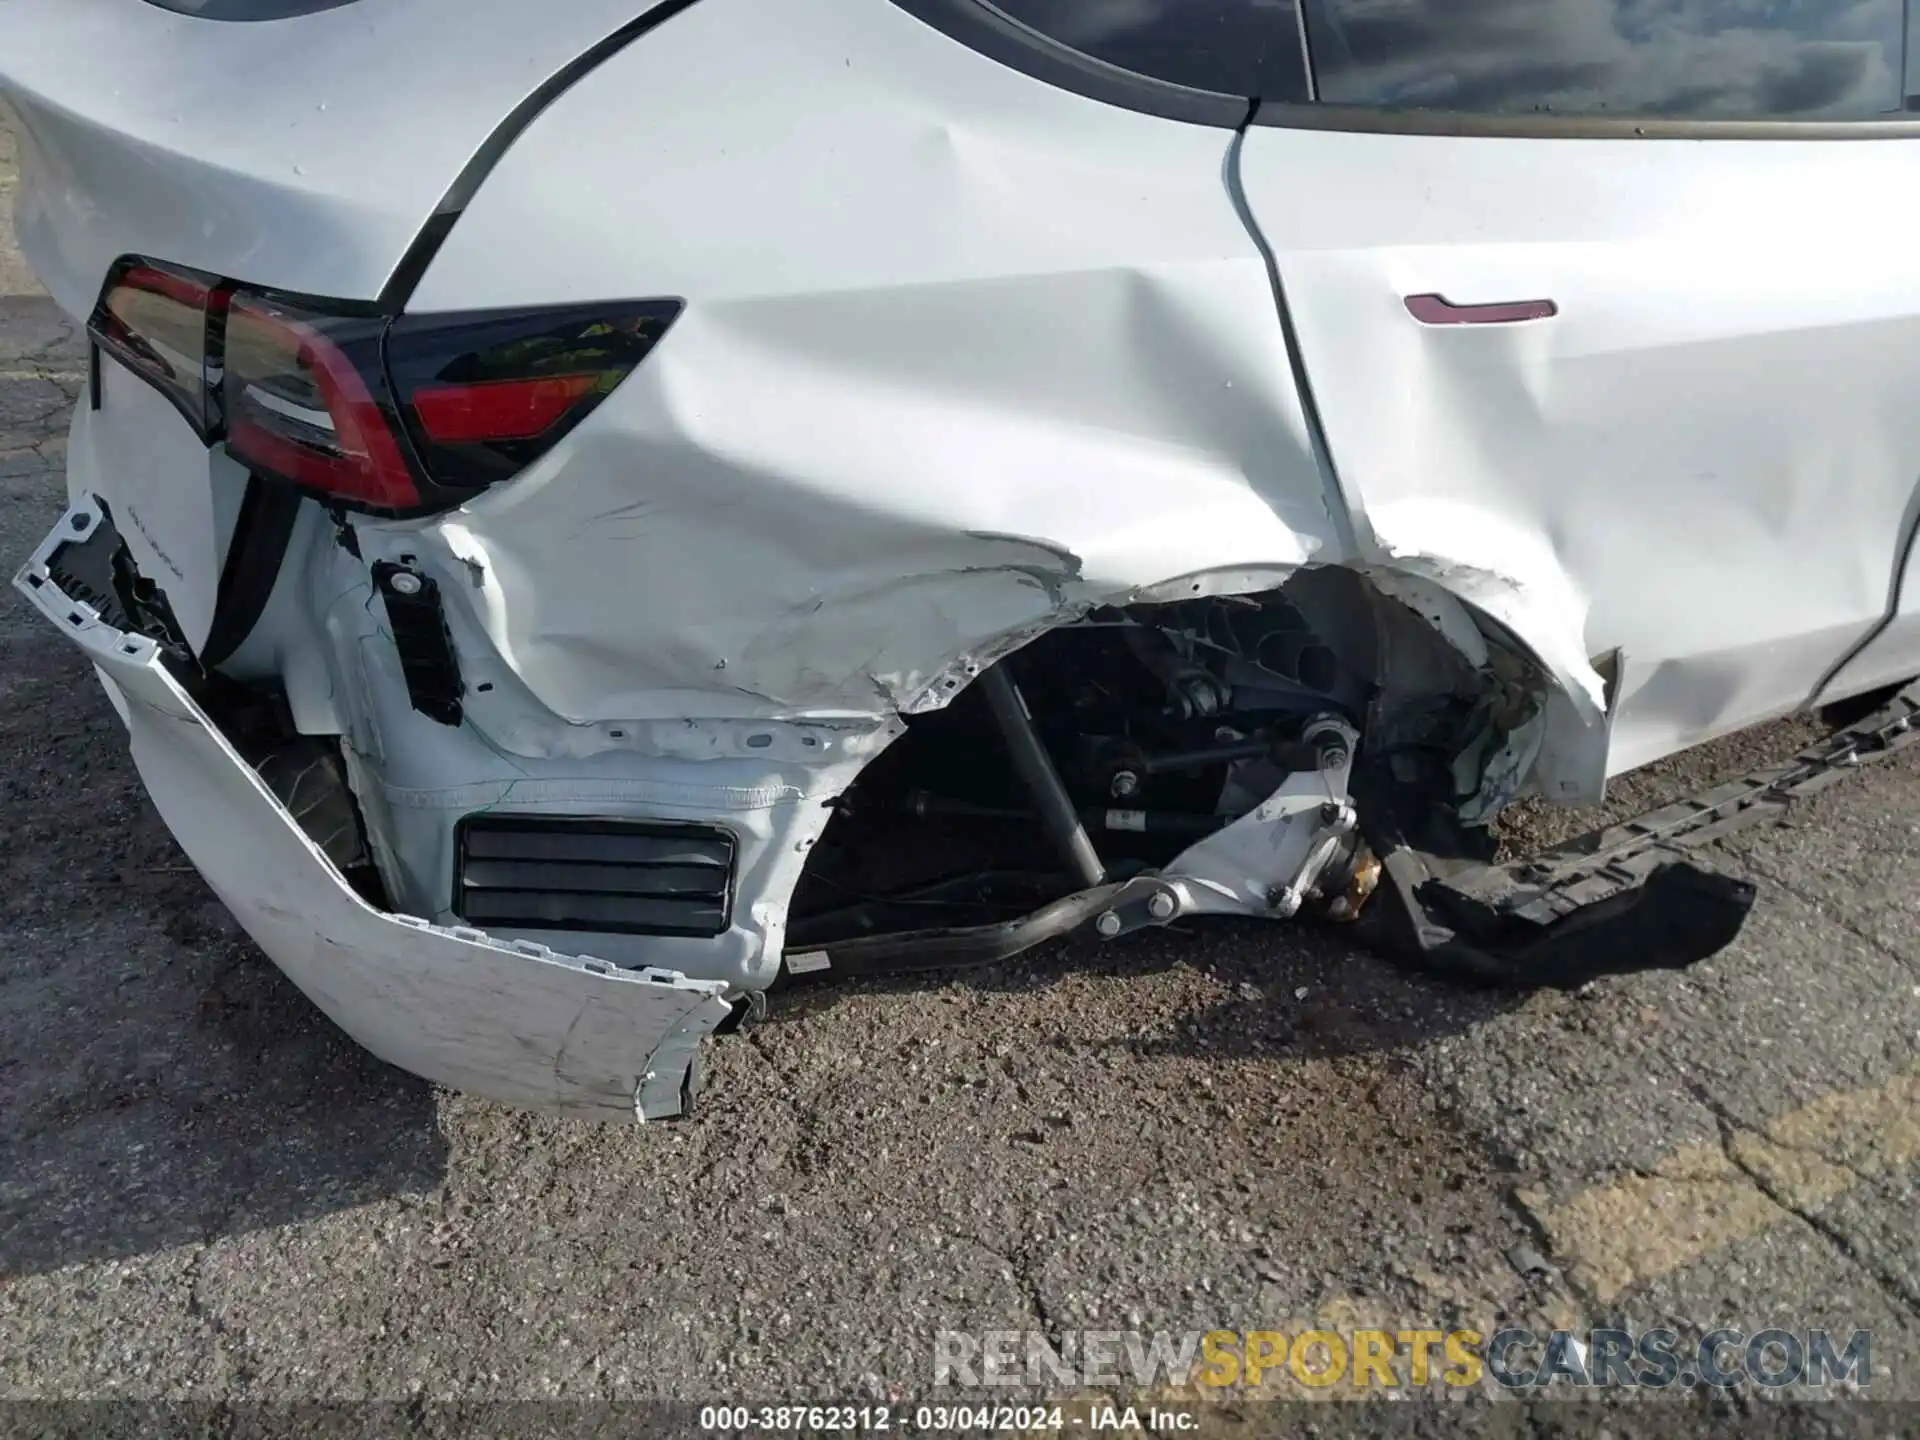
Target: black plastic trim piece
[(412, 268), (261, 534), (1626, 897), (1678, 914), (421, 639), (594, 873), (982, 28), (99, 570), (413, 265), (616, 842), (1383, 120)]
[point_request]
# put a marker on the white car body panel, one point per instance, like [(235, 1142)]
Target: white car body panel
[(769, 785), (177, 503), (1891, 656), (1010, 352), (1710, 450), (306, 153), (1042, 318), (517, 1022)]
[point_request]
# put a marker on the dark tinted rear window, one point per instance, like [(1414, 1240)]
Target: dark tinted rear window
[(1706, 59), (1231, 47), (249, 9)]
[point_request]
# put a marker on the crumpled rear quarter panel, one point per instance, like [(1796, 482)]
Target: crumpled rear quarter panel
[(962, 352)]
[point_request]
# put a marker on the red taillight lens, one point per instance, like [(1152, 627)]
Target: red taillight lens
[(486, 394), (298, 406), (401, 415), (158, 323), (498, 409)]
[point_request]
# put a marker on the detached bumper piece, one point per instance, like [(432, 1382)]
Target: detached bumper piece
[(1466, 928), (513, 1020), (1626, 898), (87, 562)]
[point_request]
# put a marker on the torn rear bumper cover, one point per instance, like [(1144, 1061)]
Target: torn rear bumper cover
[(516, 1021)]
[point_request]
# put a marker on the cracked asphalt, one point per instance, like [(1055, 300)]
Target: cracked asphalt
[(207, 1194)]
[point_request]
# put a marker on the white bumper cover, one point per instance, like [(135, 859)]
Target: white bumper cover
[(517, 1022)]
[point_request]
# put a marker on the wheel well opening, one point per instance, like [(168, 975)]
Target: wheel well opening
[(1162, 724)]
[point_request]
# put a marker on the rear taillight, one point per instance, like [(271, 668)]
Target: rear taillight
[(157, 323), (487, 394), (300, 403), (403, 415)]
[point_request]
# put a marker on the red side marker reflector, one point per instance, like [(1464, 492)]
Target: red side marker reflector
[(1438, 310), (498, 409)]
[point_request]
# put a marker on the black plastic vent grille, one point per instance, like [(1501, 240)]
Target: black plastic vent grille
[(622, 877), (420, 639)]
